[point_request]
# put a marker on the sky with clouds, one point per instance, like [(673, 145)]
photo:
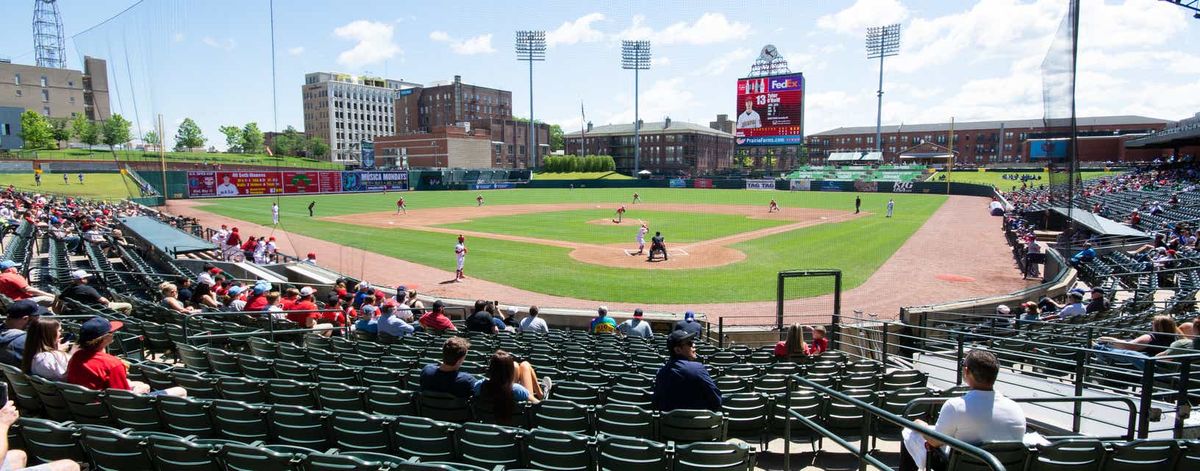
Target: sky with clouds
[(973, 60)]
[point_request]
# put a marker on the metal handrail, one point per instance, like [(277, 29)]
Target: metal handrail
[(1129, 429), (870, 411)]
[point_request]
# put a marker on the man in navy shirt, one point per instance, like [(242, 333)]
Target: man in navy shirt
[(683, 383), (445, 377)]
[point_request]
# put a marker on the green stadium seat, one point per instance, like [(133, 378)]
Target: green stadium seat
[(337, 374), (87, 406), (490, 445), (181, 454), (805, 403), (692, 425), (380, 376), (390, 400), (713, 457), (560, 415), (293, 370), (423, 438), (48, 440), (110, 449), (846, 419), (1142, 455), (223, 363), (254, 367), (626, 421), (24, 394), (558, 451), (1068, 455), (618, 453), (184, 416), (239, 421), (291, 393), (256, 457), (747, 415), (338, 396), (197, 386), (131, 411), (1013, 455), (51, 398), (445, 407), (360, 431), (300, 427), (241, 389), (262, 348)]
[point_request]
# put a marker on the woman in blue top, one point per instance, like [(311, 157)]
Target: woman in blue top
[(508, 383)]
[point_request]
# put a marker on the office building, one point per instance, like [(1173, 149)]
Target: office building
[(57, 93), (344, 110), (668, 147)]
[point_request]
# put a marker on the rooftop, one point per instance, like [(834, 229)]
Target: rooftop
[(1132, 120), (658, 127)]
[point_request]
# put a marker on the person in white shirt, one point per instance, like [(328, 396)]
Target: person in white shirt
[(749, 118), (1073, 308), (980, 416), (636, 327), (45, 353), (275, 213), (533, 323)]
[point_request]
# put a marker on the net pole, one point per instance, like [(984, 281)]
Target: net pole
[(950, 158)]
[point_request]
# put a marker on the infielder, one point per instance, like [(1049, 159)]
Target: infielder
[(275, 213), (891, 205), (641, 239), (479, 200), (636, 198), (620, 215), (400, 206), (460, 251), (772, 206)]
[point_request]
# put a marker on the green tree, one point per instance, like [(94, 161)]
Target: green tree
[(290, 142), (233, 138), (151, 137), (189, 135), (36, 131), (317, 148), (61, 129), (85, 130), (556, 137), (252, 138), (116, 131)]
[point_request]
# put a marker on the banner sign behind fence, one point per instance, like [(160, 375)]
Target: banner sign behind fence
[(760, 184), (224, 184), (702, 183), (801, 185), (678, 183)]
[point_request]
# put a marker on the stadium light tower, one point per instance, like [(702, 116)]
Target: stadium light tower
[(635, 55), (882, 41), (531, 47), (48, 44)]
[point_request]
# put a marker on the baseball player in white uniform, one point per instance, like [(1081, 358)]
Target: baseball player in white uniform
[(891, 205), (641, 239), (460, 251), (275, 213)]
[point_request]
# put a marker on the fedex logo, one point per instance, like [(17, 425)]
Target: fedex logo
[(785, 84)]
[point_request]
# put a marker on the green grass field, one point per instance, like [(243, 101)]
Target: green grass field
[(103, 186), (581, 176), (185, 157), (997, 178), (858, 247)]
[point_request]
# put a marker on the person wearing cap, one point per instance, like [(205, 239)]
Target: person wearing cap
[(460, 253), (602, 323), (636, 327), (683, 382), (533, 323), (689, 324), (257, 299), (481, 319), (94, 368), (272, 250), (82, 293), (436, 319), (395, 320), (361, 293), (1084, 256), (310, 259), (1098, 302), (303, 311), (819, 343), (203, 293), (1073, 308), (12, 340), (17, 287), (232, 244)]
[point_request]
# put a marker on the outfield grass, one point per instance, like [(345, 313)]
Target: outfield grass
[(581, 176), (103, 186), (997, 178), (858, 247), (179, 157), (575, 226)]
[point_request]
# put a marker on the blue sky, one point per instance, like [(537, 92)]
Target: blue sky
[(211, 60)]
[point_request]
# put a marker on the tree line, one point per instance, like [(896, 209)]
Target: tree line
[(40, 132), (575, 163)]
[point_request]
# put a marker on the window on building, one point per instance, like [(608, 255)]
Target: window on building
[(72, 99), (17, 79), (46, 110), (70, 83), (4, 131), (19, 93), (45, 96), (44, 81)]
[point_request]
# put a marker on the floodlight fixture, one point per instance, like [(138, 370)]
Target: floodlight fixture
[(882, 41), (635, 55), (531, 47)]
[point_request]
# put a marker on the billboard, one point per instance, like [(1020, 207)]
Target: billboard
[(770, 110), (760, 184), (1053, 149), (222, 184), (201, 184), (374, 181), (367, 154)]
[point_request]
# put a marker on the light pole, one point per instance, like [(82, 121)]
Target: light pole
[(882, 41), (636, 55), (531, 47)]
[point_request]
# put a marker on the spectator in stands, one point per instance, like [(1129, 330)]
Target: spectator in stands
[(45, 353), (365, 320), (683, 382), (1048, 306), (602, 323), (16, 287), (493, 308), (689, 324), (396, 320), (93, 368), (510, 318), (234, 299), (12, 340), (980, 416), (1084, 256), (819, 343), (481, 320), (1188, 340), (436, 320), (1033, 257), (1029, 313), (1098, 302), (636, 327), (274, 307), (170, 300), (17, 459), (508, 383), (257, 299), (203, 294), (185, 290), (81, 293), (446, 377), (360, 294), (289, 299), (533, 323), (1073, 308), (1164, 332), (311, 258), (1160, 240), (418, 307), (793, 344), (304, 311)]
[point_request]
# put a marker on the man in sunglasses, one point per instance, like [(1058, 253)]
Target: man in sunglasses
[(684, 383)]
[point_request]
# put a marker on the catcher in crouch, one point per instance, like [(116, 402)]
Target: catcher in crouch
[(657, 246)]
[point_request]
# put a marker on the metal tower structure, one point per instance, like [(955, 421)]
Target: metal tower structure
[(48, 43), (635, 55), (882, 41), (769, 62), (531, 47)]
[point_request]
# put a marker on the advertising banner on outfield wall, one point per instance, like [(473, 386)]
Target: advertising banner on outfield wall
[(204, 184), (678, 183), (223, 184), (760, 184), (702, 183), (375, 181), (801, 185), (311, 182)]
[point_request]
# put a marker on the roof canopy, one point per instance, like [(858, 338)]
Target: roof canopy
[(165, 238), (855, 157), (1099, 224)]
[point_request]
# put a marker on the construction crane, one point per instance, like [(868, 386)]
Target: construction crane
[(49, 46)]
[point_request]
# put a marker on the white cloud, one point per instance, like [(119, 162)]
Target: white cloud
[(710, 28), (295, 51), (578, 31), (856, 18), (481, 44), (660, 61), (742, 57), (227, 44), (374, 43)]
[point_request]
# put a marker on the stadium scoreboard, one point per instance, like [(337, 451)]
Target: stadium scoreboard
[(770, 110)]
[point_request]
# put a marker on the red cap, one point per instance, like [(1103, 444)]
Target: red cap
[(272, 239), (312, 255), (235, 229), (461, 238)]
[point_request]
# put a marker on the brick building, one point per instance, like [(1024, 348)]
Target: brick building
[(988, 142), (55, 93), (668, 147), (425, 108)]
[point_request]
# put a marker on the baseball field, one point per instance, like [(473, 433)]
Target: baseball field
[(723, 245)]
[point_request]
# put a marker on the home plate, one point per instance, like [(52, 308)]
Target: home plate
[(670, 252)]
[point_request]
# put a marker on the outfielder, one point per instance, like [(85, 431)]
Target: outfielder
[(275, 213), (891, 205), (400, 206), (460, 251), (641, 239), (636, 198), (620, 214)]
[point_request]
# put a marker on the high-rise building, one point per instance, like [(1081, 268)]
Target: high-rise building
[(449, 104), (54, 92), (345, 110)]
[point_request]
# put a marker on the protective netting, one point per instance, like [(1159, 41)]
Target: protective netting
[(1058, 145)]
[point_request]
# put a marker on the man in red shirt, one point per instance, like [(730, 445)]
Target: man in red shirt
[(16, 287), (437, 320), (819, 343), (93, 368), (258, 297), (303, 311)]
